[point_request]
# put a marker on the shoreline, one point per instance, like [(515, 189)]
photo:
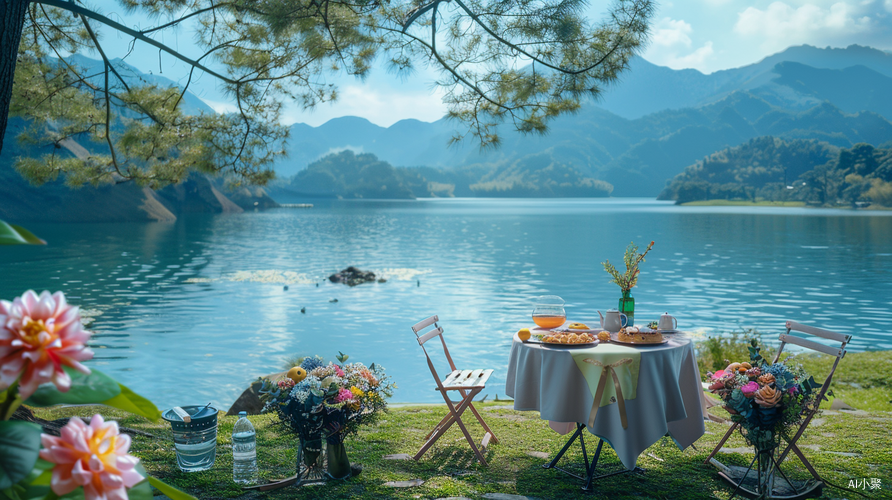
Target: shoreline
[(780, 204)]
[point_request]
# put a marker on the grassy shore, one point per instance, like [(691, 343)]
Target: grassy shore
[(842, 445), (741, 203)]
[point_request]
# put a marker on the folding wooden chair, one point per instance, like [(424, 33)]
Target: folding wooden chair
[(832, 350), (468, 383)]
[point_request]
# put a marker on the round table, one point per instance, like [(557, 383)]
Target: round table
[(669, 396)]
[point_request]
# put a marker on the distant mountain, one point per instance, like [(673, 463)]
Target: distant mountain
[(647, 88), (348, 175), (770, 169)]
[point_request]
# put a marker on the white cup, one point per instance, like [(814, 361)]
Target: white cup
[(667, 323)]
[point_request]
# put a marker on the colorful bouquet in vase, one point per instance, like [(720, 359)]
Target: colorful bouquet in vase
[(327, 402), (769, 401)]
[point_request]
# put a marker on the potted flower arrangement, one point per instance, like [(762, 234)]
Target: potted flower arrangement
[(767, 400), (42, 347), (324, 403), (628, 279)]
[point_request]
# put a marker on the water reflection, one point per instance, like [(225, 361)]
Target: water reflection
[(173, 328)]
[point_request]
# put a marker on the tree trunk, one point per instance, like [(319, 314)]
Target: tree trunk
[(12, 19)]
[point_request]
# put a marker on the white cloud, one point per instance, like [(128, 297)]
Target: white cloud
[(669, 32), (672, 46), (221, 107), (781, 25), (889, 5), (381, 106), (696, 59)]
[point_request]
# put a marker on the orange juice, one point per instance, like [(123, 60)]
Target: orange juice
[(549, 321)]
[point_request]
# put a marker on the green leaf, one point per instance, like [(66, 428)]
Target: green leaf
[(19, 447), (170, 491), (17, 235), (94, 388), (132, 402)]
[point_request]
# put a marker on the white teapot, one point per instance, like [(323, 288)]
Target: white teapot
[(614, 321)]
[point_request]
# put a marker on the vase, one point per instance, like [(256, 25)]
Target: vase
[(311, 461), (627, 306), (765, 475), (338, 463)]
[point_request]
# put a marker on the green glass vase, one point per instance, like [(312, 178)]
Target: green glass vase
[(338, 463), (627, 306)]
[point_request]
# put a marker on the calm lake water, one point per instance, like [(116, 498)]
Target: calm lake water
[(192, 311)]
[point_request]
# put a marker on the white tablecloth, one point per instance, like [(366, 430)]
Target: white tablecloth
[(546, 379)]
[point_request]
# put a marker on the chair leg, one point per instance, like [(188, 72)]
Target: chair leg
[(805, 462), (441, 424), (719, 446), (485, 427), (453, 417), (470, 440)]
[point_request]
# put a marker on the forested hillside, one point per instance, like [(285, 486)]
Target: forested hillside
[(770, 169), (349, 175)]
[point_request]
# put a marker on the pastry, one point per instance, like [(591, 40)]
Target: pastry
[(578, 326), (604, 336), (637, 336), (568, 338)]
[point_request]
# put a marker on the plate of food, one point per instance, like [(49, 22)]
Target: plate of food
[(558, 339), (636, 336), (575, 328)]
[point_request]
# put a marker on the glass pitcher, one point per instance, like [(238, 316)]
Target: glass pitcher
[(549, 311)]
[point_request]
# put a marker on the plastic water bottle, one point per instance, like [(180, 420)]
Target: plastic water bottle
[(244, 451)]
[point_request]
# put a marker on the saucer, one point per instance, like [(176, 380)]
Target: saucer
[(668, 331)]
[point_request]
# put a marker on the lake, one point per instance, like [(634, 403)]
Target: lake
[(192, 311)]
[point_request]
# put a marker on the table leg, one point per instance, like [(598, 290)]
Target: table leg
[(589, 469)]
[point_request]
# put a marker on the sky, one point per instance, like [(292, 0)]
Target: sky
[(706, 35)]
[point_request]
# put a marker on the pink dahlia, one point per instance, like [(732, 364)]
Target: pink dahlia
[(93, 456), (38, 336), (344, 395), (750, 389), (719, 374)]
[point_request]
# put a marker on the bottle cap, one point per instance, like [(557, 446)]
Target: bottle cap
[(242, 414)]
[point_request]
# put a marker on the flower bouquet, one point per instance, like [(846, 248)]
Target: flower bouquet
[(769, 401), (327, 402)]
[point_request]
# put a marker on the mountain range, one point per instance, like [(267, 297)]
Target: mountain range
[(654, 123)]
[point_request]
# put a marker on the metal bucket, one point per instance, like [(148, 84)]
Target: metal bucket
[(195, 441)]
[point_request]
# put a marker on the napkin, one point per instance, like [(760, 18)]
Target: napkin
[(622, 365)]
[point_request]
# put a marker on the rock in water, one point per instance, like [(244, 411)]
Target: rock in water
[(352, 276)]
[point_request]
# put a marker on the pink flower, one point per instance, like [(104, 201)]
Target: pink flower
[(94, 457), (38, 336), (718, 384), (719, 374), (750, 389), (339, 371), (344, 395), (792, 390)]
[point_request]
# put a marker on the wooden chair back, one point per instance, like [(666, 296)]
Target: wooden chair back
[(424, 336), (833, 350)]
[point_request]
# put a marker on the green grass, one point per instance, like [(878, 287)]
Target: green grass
[(449, 468)]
